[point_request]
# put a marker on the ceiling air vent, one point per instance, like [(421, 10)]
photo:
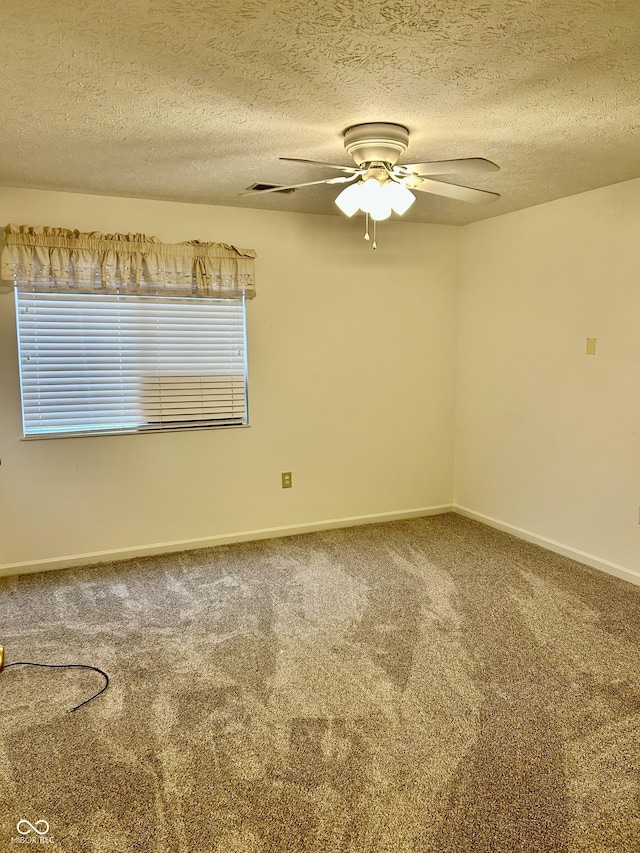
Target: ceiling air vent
[(260, 188)]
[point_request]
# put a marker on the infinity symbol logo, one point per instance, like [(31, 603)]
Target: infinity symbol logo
[(30, 827)]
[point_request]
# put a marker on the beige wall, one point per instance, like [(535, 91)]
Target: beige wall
[(352, 378), (351, 387), (548, 438)]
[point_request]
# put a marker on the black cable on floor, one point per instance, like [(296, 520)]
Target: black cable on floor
[(69, 666)]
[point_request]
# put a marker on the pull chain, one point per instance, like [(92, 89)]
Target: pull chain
[(366, 226), (375, 245)]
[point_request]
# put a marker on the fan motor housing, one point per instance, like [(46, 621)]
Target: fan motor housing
[(376, 142)]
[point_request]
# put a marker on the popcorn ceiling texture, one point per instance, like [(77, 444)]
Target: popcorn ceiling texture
[(196, 101)]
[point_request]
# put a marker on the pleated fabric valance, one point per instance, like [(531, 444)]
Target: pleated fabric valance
[(58, 259)]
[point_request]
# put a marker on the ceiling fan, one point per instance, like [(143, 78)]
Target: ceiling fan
[(378, 185)]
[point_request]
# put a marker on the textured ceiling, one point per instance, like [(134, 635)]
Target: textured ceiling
[(194, 101)]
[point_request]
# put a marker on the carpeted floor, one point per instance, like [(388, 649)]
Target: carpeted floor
[(429, 685)]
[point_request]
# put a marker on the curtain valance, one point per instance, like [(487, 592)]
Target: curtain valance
[(59, 259)]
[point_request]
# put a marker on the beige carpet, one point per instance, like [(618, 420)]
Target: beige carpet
[(430, 685)]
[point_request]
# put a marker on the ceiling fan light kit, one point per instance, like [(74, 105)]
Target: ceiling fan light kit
[(375, 198), (378, 186)]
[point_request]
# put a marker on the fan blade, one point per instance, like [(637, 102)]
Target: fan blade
[(448, 167), (350, 169), (340, 180), (428, 185)]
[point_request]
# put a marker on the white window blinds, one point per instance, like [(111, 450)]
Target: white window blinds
[(110, 363)]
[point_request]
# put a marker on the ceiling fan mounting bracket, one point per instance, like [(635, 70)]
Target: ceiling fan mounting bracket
[(380, 142)]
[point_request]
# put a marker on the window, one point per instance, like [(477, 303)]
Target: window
[(107, 363)]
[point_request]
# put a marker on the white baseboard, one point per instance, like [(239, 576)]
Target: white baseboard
[(551, 545), (211, 541)]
